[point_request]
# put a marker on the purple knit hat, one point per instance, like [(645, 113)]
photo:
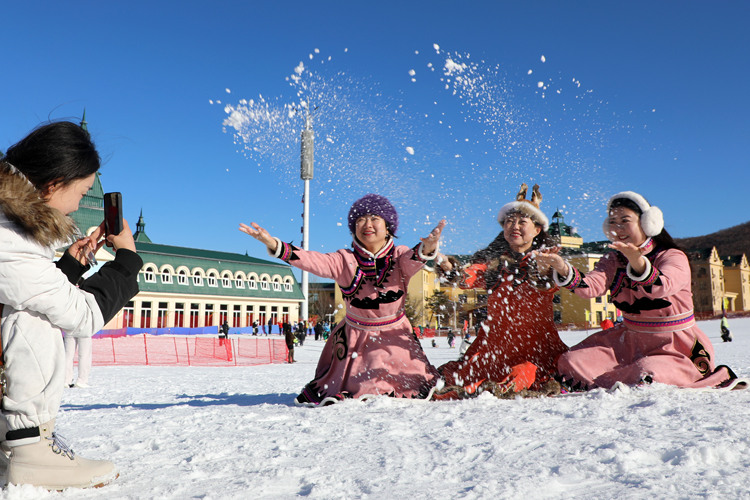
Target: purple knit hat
[(374, 204)]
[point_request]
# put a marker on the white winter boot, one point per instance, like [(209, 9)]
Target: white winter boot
[(4, 454), (4, 464), (49, 463)]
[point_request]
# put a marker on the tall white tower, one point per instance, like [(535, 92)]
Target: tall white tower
[(306, 173)]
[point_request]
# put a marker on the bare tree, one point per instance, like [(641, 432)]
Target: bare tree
[(321, 301), (440, 306), (413, 310)]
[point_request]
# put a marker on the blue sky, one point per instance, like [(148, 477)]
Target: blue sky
[(444, 107)]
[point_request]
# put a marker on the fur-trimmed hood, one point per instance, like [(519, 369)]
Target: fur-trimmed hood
[(21, 203)]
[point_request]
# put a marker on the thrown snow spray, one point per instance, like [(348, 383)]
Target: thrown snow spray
[(488, 133), (363, 138), (504, 130)]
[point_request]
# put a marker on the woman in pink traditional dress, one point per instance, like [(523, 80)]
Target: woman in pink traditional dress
[(648, 278), (373, 350)]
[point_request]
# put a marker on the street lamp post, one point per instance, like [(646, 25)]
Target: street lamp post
[(306, 173), (454, 315)]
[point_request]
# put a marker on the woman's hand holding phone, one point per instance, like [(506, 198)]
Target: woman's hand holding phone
[(122, 240), (115, 228)]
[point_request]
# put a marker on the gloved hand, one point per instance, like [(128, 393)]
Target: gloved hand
[(521, 377)]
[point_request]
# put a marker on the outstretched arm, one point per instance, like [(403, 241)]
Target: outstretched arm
[(261, 235), (325, 265)]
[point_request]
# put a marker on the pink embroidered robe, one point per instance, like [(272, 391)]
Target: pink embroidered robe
[(373, 350), (658, 340)]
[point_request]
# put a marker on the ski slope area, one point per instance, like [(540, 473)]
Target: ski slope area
[(215, 433)]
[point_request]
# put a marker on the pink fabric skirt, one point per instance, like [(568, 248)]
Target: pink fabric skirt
[(358, 362), (683, 358)]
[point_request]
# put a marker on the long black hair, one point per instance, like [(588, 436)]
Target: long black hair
[(58, 152)]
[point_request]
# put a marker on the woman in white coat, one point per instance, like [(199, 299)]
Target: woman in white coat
[(42, 179)]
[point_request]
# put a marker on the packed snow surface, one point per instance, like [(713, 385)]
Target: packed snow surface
[(216, 433)]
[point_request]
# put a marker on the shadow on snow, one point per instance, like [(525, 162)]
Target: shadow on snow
[(197, 400)]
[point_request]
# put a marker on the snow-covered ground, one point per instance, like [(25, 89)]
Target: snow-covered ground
[(215, 433)]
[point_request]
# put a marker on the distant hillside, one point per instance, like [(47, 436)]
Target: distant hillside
[(732, 241)]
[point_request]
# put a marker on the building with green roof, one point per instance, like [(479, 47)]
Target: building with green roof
[(565, 235), (189, 288)]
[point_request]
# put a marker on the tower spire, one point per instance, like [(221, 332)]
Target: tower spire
[(140, 230), (84, 124)]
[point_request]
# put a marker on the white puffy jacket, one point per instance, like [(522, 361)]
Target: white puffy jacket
[(42, 298), (36, 293)]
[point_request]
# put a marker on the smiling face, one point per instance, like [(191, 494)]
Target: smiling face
[(519, 231), (66, 197), (625, 226), (371, 231)]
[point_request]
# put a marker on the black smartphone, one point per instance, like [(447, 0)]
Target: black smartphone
[(113, 213)]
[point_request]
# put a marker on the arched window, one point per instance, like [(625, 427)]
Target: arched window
[(149, 274), (212, 280), (226, 280)]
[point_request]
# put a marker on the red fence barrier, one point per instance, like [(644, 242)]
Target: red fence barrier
[(425, 333), (183, 350)]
